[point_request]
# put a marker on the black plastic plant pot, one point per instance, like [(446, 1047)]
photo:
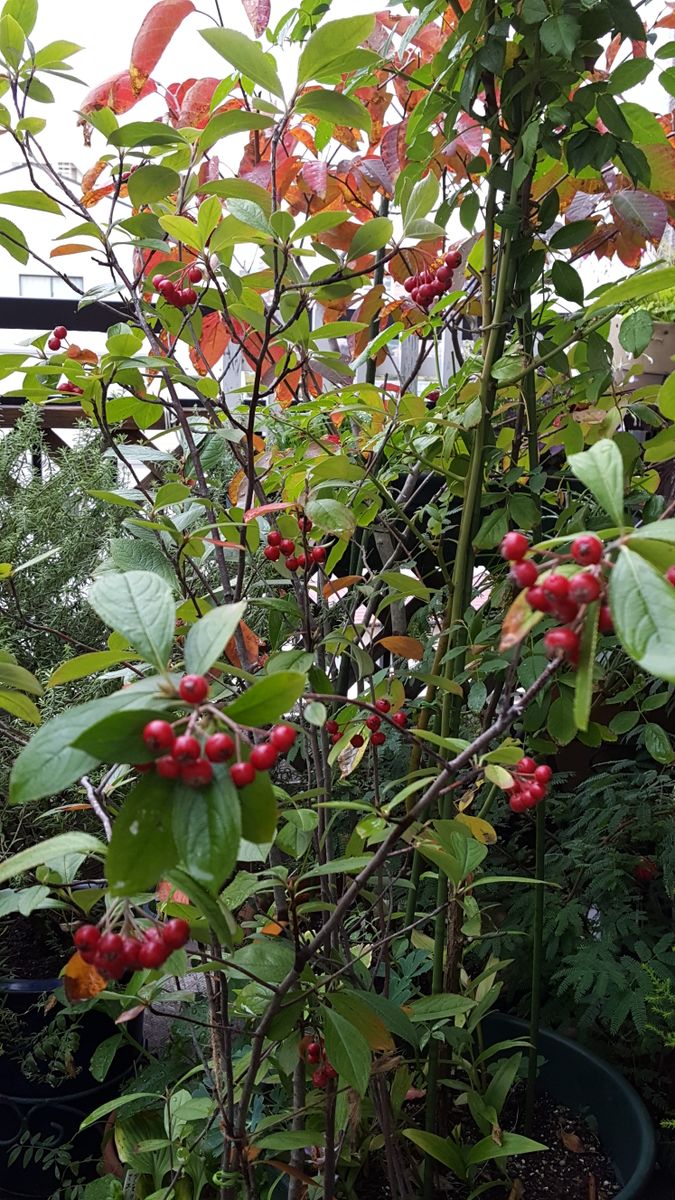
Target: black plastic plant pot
[(52, 1115), (586, 1084)]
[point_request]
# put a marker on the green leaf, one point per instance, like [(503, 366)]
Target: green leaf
[(34, 200), (208, 637), (444, 1150), (637, 286), (421, 200), (406, 585), (12, 40), (227, 123), (636, 331), (14, 676), (145, 133), (656, 531), (101, 1059), (392, 1014), (583, 676), (152, 183), (117, 738), (330, 43), (291, 1140), (83, 665), (567, 282), (572, 235), (13, 241), (110, 1106), (560, 35), (373, 235), (181, 230), (643, 608), (207, 828), (268, 699), (439, 1008), (259, 811), (331, 516), (134, 554), (140, 606), (337, 109), (493, 528), (50, 763), (44, 852), (601, 470), (629, 74), (142, 848), (347, 1050), (209, 908), (20, 706), (511, 1143), (24, 13), (338, 866), (247, 58), (658, 744)]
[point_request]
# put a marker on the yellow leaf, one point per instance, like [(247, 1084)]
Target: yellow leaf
[(80, 980), (339, 585), (71, 248), (405, 647), (481, 830)]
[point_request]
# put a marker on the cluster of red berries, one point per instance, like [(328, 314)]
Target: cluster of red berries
[(558, 595), (183, 757), (530, 784), (324, 1070), (428, 286), (71, 389), (278, 545), (58, 336), (174, 293), (373, 723), (113, 954)]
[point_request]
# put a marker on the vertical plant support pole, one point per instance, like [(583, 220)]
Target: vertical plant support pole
[(537, 953)]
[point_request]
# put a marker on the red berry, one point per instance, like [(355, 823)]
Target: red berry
[(302, 562), (410, 283), (143, 768), (304, 524), (670, 575), (152, 954), (197, 774), (400, 719), (158, 735), (112, 967), (516, 803), (131, 950), (562, 641), (378, 738), (109, 946), (415, 295), (432, 396), (564, 610), (526, 766), (320, 1078), (186, 748), (219, 747), (264, 756), (587, 549), (514, 546), (282, 738), (54, 343), (527, 799), (357, 740), (538, 600), (87, 937), (193, 688), (292, 563), (190, 297), (332, 727), (584, 588), (453, 259), (373, 722), (426, 293), (382, 706), (167, 767), (543, 773), (605, 620), (314, 1052), (195, 274), (537, 791), (60, 332), (165, 287), (524, 573), (557, 587), (318, 554), (287, 547), (272, 553), (331, 1073), (273, 538), (444, 275), (175, 933), (242, 773), (335, 738)]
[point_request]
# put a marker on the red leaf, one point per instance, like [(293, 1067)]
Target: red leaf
[(376, 173), (258, 13), (153, 37), (116, 93), (195, 103), (642, 213), (393, 149), (212, 344), (315, 175), (263, 509)]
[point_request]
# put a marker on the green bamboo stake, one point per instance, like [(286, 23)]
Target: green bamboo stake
[(537, 955)]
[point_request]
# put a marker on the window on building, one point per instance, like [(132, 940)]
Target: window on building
[(48, 287)]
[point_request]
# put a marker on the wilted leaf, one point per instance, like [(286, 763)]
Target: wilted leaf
[(480, 829), (80, 980), (571, 1142), (518, 622), (153, 37), (405, 647), (340, 585)]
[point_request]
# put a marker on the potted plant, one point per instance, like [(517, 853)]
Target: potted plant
[(310, 763)]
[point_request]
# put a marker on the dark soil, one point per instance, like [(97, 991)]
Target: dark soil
[(573, 1167), (33, 947)]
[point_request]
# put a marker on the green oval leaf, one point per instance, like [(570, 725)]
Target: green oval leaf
[(247, 57), (643, 608), (152, 183), (601, 470), (142, 848), (347, 1050), (268, 699), (44, 852), (338, 109), (208, 637), (140, 606), (207, 828), (329, 44)]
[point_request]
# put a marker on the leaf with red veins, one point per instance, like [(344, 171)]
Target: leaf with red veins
[(258, 13), (153, 37)]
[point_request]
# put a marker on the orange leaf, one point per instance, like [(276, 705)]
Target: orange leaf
[(83, 356), (292, 1171), (80, 980), (518, 622), (212, 344), (253, 646), (339, 585), (71, 248), (274, 929), (195, 106), (166, 891), (263, 509), (405, 647), (153, 37), (225, 545), (236, 483)]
